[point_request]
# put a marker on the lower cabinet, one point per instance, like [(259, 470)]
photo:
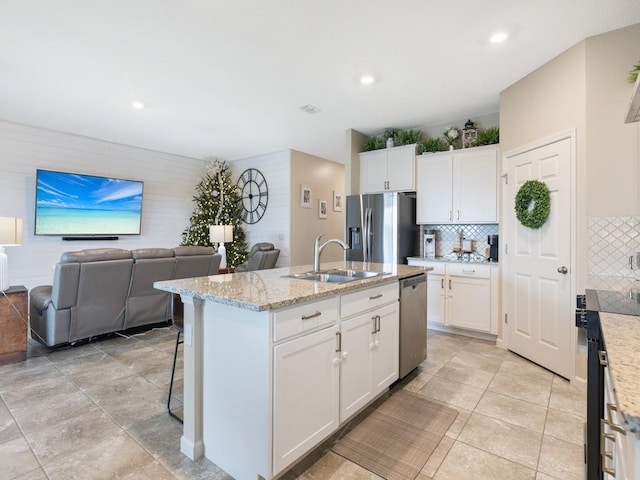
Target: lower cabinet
[(462, 295), (305, 394), (620, 449), (323, 377), (369, 358)]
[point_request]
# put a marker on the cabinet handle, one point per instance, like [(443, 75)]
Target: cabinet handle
[(373, 319), (339, 336), (458, 215), (313, 315), (468, 271), (375, 297), (442, 283), (450, 284), (450, 215), (377, 323)]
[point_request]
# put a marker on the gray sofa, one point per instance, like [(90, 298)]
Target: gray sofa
[(106, 290)]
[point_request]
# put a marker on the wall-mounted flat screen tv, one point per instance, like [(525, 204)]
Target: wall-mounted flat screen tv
[(77, 205)]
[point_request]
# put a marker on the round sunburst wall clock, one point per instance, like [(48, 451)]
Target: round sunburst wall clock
[(254, 193)]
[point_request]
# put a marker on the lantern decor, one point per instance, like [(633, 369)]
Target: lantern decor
[(469, 135)]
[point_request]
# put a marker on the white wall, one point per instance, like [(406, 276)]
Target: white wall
[(169, 186), (274, 226)]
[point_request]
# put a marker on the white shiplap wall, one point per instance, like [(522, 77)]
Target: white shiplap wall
[(169, 186), (274, 226)]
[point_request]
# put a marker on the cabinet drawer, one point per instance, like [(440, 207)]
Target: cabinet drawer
[(470, 270), (306, 317), (363, 300)]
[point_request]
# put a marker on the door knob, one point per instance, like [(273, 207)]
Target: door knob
[(563, 270)]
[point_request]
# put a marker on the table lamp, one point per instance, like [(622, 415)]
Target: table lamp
[(10, 235), (220, 234)]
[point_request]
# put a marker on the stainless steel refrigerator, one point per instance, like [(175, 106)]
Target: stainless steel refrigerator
[(381, 228)]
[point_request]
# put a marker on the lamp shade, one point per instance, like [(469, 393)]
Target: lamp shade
[(220, 233), (10, 231)]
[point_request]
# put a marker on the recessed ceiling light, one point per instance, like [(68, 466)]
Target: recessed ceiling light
[(310, 109), (137, 105), (367, 79), (498, 37)]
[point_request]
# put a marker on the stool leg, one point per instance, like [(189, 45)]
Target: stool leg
[(173, 372)]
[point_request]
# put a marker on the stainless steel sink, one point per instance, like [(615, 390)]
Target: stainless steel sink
[(334, 276)]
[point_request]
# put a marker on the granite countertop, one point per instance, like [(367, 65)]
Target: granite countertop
[(454, 259), (270, 289), (622, 338)]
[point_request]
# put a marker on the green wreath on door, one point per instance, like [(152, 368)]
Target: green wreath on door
[(533, 204)]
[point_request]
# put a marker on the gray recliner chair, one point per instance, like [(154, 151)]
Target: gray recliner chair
[(262, 256), (145, 304), (78, 305), (194, 261)]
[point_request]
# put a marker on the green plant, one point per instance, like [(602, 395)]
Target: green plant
[(488, 136), (389, 133), (374, 143), (407, 137), (633, 74), (432, 145)]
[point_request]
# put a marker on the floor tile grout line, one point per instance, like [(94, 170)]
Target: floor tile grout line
[(89, 397)]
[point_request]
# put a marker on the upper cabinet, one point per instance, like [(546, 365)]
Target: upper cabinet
[(459, 186), (388, 170)]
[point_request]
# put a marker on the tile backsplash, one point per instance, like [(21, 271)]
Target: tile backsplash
[(446, 236), (612, 240)]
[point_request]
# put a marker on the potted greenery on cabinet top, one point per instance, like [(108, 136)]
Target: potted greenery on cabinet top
[(400, 137)]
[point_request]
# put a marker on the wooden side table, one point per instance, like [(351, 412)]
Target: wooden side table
[(13, 324)]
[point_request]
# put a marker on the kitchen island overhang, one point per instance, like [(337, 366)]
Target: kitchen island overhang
[(229, 334)]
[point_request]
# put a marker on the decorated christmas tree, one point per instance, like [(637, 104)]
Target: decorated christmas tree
[(217, 203)]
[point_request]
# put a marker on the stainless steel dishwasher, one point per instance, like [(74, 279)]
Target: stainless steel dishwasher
[(413, 322)]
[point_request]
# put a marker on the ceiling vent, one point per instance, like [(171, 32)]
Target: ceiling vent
[(310, 109)]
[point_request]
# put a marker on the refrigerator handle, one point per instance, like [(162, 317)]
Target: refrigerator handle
[(369, 233), (365, 234)]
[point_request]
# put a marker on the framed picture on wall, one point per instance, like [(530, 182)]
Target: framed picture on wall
[(337, 201), (322, 209), (305, 196)]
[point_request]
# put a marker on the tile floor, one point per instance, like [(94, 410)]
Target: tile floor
[(97, 411)]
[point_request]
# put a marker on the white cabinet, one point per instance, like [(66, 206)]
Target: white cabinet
[(620, 450), (305, 395), (327, 368), (459, 186), (469, 297), (369, 350), (306, 379), (388, 170), (461, 295)]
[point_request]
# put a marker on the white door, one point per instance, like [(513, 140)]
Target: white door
[(356, 374), (469, 303), (305, 397), (475, 192), (386, 359), (435, 188), (538, 262), (401, 168), (435, 298)]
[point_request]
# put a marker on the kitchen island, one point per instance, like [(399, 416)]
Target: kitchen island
[(273, 365)]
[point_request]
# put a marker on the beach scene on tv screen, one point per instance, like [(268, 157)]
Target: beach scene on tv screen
[(73, 204)]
